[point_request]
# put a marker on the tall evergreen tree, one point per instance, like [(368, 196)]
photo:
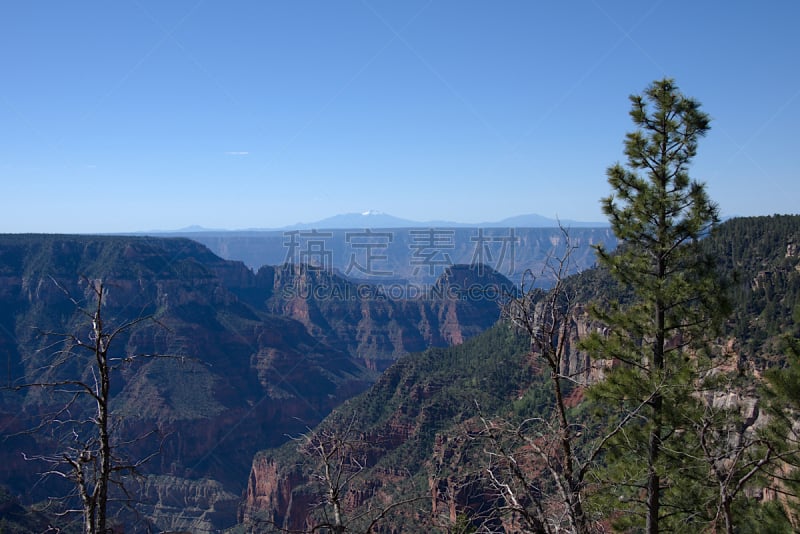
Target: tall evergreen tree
[(658, 213), (782, 403)]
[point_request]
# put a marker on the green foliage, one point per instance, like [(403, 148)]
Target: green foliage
[(434, 393), (462, 525), (440, 387), (761, 256), (659, 214), (228, 361), (782, 403), (752, 517), (784, 382), (422, 396)]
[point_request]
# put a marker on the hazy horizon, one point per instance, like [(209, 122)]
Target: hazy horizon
[(129, 116)]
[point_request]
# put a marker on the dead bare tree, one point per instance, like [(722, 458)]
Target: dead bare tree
[(88, 452), (735, 454), (338, 457), (335, 459), (538, 467), (547, 322), (745, 450)]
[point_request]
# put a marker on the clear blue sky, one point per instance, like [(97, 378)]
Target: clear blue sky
[(137, 115)]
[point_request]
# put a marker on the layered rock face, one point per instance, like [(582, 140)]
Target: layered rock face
[(418, 255), (248, 358), (422, 412), (395, 426), (379, 323)]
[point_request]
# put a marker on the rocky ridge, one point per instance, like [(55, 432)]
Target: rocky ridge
[(249, 361), (422, 412)]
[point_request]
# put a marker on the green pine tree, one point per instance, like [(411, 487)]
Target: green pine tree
[(782, 404), (651, 478)]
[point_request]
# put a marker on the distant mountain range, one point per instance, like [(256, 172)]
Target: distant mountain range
[(384, 253), (378, 219), (427, 424)]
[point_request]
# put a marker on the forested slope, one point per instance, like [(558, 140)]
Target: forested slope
[(416, 427)]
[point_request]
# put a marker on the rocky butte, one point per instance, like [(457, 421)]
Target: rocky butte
[(253, 357)]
